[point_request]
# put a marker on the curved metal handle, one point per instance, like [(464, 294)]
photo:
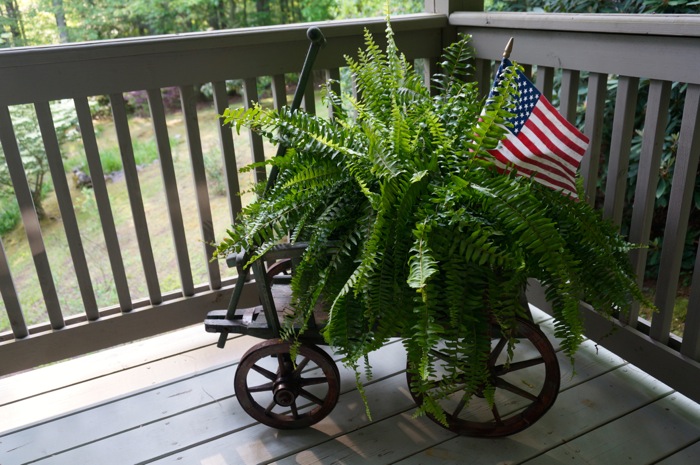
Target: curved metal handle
[(316, 36), (318, 40)]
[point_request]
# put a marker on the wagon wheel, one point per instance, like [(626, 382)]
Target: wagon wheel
[(284, 393), (281, 266), (525, 388)]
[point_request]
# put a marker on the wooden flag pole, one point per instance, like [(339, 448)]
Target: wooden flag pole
[(509, 48)]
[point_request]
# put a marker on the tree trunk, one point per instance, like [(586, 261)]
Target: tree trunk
[(15, 22), (60, 14), (262, 7), (232, 20), (216, 15), (284, 12), (296, 11), (36, 197)]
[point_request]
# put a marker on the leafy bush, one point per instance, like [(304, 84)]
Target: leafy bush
[(9, 214), (31, 147), (137, 101), (215, 173), (233, 87), (598, 6), (111, 160)]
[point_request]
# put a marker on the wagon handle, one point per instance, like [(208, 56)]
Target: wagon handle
[(317, 42)]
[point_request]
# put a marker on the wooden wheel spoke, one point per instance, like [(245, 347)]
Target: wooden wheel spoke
[(496, 414), (503, 384), (503, 369), (295, 412), (497, 350), (284, 363), (265, 372), (261, 388), (313, 381), (460, 406), (439, 355), (307, 395), (301, 365), (270, 406)]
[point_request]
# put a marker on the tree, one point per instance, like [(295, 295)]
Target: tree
[(60, 14), (11, 25), (367, 8), (31, 148), (262, 8)]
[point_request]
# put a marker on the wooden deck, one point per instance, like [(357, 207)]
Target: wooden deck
[(170, 400)]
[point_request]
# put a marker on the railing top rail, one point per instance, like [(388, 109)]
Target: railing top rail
[(100, 68), (248, 36), (644, 46), (649, 25)]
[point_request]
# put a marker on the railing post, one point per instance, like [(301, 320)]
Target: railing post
[(449, 33), (449, 6)]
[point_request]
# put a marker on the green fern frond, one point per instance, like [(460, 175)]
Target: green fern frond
[(456, 65), (413, 232)]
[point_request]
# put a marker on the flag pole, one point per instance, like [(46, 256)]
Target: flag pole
[(509, 48)]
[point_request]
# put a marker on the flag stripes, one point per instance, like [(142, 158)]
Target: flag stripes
[(541, 143)]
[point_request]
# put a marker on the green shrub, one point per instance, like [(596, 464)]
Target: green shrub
[(9, 214), (111, 159), (145, 151), (215, 173)]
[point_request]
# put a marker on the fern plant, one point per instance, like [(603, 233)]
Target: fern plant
[(430, 242)]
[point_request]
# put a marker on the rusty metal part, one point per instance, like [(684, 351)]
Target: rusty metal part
[(284, 393), (525, 386)]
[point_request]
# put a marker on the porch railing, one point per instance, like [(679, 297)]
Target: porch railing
[(79, 72), (564, 49)]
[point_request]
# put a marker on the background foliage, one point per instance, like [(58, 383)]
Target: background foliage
[(33, 156), (39, 22), (598, 6)]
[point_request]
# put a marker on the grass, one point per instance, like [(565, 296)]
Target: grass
[(680, 308)]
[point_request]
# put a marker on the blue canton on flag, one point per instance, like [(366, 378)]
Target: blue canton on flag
[(528, 99), (541, 143)]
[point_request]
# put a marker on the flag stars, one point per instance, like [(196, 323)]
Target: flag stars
[(529, 96)]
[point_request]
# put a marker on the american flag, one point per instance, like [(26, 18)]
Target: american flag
[(540, 143)]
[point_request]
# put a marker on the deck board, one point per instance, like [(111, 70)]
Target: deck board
[(260, 444), (171, 400), (638, 437), (685, 456), (580, 409), (60, 375), (78, 396)]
